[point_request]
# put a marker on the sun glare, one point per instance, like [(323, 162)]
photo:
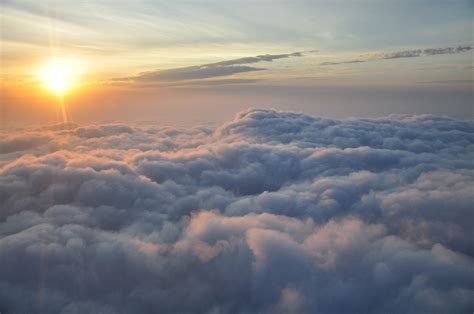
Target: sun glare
[(59, 75)]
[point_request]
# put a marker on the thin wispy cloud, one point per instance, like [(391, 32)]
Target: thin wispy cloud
[(228, 68), (260, 58), (342, 62), (210, 70), (192, 73), (385, 55)]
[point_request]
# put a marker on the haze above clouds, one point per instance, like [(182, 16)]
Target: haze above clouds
[(269, 212)]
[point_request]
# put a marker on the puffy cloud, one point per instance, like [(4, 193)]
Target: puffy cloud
[(11, 144), (270, 212)]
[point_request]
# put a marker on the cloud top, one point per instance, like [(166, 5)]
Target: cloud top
[(271, 212)]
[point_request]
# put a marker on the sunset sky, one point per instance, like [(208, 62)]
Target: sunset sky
[(236, 157), (153, 59)]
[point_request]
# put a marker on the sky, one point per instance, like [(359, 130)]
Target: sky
[(113, 43)]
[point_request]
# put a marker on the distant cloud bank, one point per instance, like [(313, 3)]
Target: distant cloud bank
[(272, 212)]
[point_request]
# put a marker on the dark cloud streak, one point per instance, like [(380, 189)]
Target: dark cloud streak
[(260, 58), (193, 73), (218, 69), (403, 54)]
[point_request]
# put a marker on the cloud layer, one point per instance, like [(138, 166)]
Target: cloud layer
[(272, 212)]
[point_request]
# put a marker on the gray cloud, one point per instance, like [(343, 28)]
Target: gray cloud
[(403, 54), (260, 58), (342, 62), (222, 82), (421, 52), (22, 142), (218, 69), (193, 73), (270, 212)]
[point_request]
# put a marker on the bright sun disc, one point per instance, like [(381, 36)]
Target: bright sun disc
[(58, 75)]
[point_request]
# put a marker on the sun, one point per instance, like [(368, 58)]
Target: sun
[(59, 75)]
